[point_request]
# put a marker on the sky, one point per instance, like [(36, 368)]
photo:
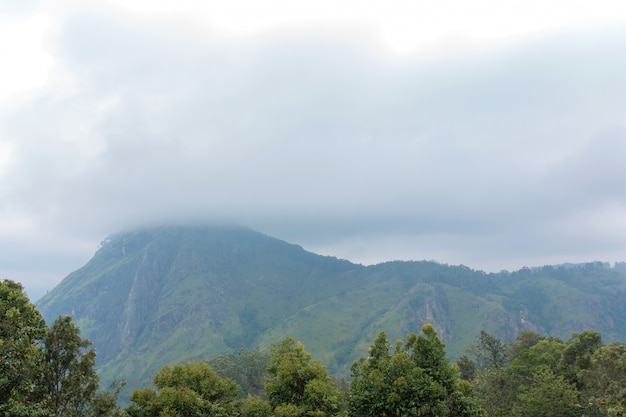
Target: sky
[(486, 133)]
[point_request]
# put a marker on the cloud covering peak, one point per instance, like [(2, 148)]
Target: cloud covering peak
[(495, 157)]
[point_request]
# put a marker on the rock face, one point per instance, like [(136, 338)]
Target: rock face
[(171, 294)]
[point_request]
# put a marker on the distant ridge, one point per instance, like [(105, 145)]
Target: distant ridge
[(170, 294)]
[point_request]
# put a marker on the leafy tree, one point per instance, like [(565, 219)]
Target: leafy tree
[(69, 377), (415, 380), (547, 395), (248, 369), (605, 379), (21, 330), (489, 352), (45, 371), (578, 352), (544, 377), (189, 390), (545, 353), (496, 392), (104, 404), (256, 407), (505, 370), (523, 341), (467, 368), (299, 385), (514, 387)]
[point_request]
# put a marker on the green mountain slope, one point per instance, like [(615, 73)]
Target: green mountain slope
[(173, 294)]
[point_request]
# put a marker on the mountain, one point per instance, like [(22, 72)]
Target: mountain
[(171, 294)]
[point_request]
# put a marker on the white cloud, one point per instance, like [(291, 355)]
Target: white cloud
[(25, 62), (495, 157)]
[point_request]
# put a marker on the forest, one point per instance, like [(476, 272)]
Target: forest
[(50, 371)]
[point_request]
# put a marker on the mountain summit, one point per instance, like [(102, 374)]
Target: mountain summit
[(172, 294), (179, 293)]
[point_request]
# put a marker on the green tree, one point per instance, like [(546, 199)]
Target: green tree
[(505, 389), (523, 341), (545, 353), (69, 377), (255, 406), (467, 368), (496, 391), (21, 331), (489, 352), (104, 404), (547, 395), (415, 380), (45, 371), (248, 369), (605, 379), (504, 368), (299, 385), (577, 354), (189, 390)]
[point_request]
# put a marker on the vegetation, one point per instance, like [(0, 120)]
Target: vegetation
[(248, 369), (298, 385), (47, 372), (541, 376), (189, 390), (21, 359), (176, 294), (415, 380), (544, 376)]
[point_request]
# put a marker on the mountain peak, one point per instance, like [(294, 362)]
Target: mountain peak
[(176, 293)]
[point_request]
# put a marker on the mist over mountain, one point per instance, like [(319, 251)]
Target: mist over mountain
[(172, 294)]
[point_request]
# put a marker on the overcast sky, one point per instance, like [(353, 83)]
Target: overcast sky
[(485, 133)]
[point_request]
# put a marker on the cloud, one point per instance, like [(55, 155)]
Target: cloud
[(489, 157)]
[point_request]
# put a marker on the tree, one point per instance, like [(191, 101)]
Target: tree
[(605, 379), (489, 352), (512, 388), (104, 404), (256, 407), (415, 380), (45, 372), (577, 354), (189, 390), (298, 385), (492, 383), (545, 353), (248, 369), (547, 395), (69, 377), (496, 391), (523, 341), (21, 331), (467, 368)]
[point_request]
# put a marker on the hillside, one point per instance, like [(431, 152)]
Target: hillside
[(172, 294)]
